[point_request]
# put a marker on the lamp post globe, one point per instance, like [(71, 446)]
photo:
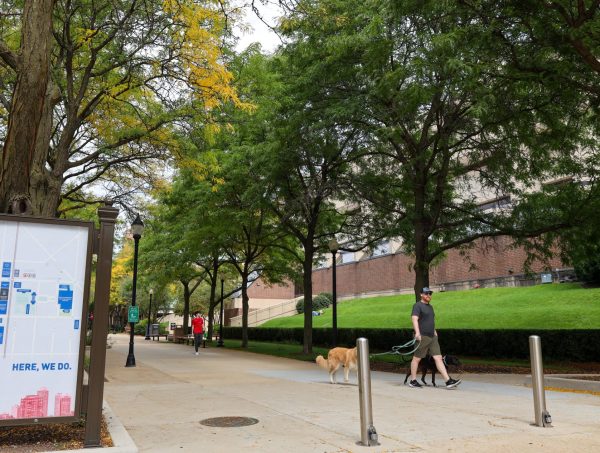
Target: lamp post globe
[(334, 246), (137, 228), (149, 316)]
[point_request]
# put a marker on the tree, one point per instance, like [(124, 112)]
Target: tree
[(555, 38), (223, 211), (307, 157), (166, 256), (445, 120), (95, 89)]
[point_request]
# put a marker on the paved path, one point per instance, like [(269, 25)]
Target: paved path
[(163, 399)]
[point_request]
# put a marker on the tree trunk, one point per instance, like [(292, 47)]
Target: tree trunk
[(421, 263), (46, 190), (211, 306), (307, 284), (421, 225), (27, 107), (245, 307), (186, 306)]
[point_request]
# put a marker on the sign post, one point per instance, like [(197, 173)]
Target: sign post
[(108, 216)]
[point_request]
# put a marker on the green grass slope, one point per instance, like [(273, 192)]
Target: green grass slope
[(551, 306)]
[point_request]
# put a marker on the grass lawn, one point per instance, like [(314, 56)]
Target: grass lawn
[(550, 306)]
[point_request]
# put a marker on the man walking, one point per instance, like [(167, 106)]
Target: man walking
[(197, 330), (423, 321)]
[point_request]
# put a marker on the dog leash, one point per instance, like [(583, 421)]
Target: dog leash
[(398, 349)]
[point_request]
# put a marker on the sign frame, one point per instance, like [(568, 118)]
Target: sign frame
[(89, 225)]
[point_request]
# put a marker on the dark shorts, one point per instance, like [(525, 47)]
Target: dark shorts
[(428, 345)]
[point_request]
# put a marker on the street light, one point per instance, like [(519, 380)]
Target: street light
[(220, 342), (149, 314), (334, 247), (137, 228)]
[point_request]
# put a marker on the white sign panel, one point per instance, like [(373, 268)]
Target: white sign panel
[(42, 286)]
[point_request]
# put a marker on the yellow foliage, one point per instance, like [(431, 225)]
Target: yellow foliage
[(120, 271), (200, 45), (85, 35)]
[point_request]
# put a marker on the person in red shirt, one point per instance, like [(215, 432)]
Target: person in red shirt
[(197, 329)]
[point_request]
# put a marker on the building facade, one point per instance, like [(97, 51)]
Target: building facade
[(492, 262)]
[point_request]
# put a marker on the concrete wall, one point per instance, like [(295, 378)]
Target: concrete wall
[(257, 317)]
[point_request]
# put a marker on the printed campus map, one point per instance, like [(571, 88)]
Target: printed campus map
[(41, 299)]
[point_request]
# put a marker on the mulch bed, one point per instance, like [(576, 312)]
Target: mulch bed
[(49, 437)]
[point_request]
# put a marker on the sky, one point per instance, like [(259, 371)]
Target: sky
[(260, 32)]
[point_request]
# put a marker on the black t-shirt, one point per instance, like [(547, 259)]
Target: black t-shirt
[(426, 318)]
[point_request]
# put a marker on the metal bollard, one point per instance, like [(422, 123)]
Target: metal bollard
[(368, 434), (542, 417)]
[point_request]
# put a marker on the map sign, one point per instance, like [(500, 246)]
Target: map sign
[(42, 288)]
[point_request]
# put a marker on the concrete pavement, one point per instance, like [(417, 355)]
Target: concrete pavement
[(162, 401)]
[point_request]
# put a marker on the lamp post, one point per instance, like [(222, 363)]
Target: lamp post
[(220, 342), (149, 314), (334, 247), (137, 228)]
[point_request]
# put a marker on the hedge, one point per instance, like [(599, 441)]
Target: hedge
[(572, 345), (140, 327)]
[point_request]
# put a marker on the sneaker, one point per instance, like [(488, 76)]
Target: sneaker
[(451, 383), (414, 384), (195, 353)]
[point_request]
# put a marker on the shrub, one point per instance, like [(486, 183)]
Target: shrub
[(328, 296), (140, 327), (300, 305), (588, 270), (163, 328), (320, 302)]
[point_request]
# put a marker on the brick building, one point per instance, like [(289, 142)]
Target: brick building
[(492, 262)]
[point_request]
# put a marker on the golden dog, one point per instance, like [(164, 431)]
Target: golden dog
[(336, 357)]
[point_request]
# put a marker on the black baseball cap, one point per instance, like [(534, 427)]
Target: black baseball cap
[(426, 290)]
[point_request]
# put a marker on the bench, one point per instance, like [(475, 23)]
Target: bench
[(188, 339), (166, 335)]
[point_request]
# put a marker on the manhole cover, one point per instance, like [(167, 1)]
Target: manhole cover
[(229, 422)]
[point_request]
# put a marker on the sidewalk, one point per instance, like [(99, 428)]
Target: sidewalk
[(162, 401)]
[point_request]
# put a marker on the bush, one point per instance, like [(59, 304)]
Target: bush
[(300, 305), (320, 302), (328, 296), (588, 270), (163, 328), (140, 327)]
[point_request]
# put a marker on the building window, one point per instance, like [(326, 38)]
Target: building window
[(347, 257), (496, 204), (321, 263), (382, 249)]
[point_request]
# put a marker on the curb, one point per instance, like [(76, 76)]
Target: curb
[(122, 441), (568, 382)]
